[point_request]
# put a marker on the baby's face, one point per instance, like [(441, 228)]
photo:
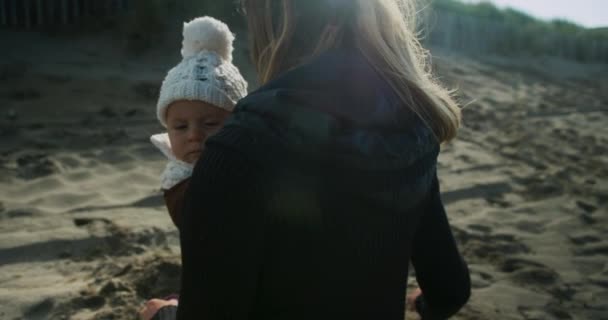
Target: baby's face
[(189, 124)]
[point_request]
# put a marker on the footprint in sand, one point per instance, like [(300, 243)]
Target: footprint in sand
[(530, 273), (160, 279), (82, 222), (484, 246), (587, 218), (540, 187), (582, 239), (588, 208), (40, 310), (24, 213), (117, 290), (480, 228), (115, 240), (589, 244), (600, 280), (550, 311), (593, 249), (539, 277), (92, 302), (530, 226), (86, 301), (36, 165), (479, 278), (70, 161)]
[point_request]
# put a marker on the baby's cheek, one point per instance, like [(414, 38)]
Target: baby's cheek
[(180, 153)]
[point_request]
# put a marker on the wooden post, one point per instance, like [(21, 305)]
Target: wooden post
[(107, 8), (50, 11), (65, 14), (3, 12), (598, 51), (39, 12), (14, 12), (26, 14), (75, 10)]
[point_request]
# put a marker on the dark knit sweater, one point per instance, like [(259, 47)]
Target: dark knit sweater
[(311, 202)]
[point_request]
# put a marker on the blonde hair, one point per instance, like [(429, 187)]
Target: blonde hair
[(287, 33)]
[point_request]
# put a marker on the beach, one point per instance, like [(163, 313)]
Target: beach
[(84, 233)]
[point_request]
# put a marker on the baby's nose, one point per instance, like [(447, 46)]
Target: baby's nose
[(196, 134)]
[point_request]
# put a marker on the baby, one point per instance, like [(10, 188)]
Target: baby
[(196, 97)]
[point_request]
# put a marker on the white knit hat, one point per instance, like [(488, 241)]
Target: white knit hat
[(206, 72)]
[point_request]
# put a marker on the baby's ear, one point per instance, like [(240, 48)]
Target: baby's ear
[(162, 142)]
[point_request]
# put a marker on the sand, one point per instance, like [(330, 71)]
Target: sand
[(84, 234)]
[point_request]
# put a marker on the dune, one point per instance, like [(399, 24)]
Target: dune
[(85, 235)]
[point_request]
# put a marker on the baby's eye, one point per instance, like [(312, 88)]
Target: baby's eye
[(180, 127)]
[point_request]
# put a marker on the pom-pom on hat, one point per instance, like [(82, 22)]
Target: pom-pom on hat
[(206, 72)]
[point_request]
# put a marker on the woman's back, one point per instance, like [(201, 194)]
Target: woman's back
[(338, 178)]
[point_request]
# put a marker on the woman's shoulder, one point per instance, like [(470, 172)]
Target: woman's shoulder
[(276, 124), (331, 110)]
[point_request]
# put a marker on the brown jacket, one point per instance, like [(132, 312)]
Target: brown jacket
[(174, 199)]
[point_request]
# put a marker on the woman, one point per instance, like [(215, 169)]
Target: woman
[(322, 186)]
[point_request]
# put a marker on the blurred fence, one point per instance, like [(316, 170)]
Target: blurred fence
[(30, 14), (26, 14), (454, 29), (467, 33)]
